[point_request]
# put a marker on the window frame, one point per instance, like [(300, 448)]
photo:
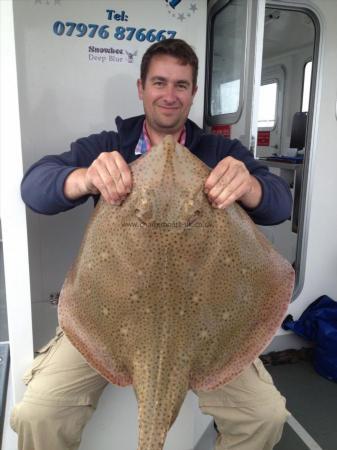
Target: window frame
[(229, 118)]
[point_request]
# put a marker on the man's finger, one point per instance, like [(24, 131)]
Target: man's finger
[(116, 177), (124, 171), (103, 181), (230, 194), (108, 195), (219, 170), (119, 171), (222, 183)]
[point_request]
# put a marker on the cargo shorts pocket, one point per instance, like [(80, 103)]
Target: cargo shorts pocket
[(262, 373), (43, 354)]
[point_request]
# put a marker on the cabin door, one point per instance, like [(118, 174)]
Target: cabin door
[(259, 89)]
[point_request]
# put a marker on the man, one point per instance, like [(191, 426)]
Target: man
[(63, 390)]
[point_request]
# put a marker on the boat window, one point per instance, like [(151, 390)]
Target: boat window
[(306, 86), (226, 77), (267, 105)]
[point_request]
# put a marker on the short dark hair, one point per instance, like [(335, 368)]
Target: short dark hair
[(172, 47)]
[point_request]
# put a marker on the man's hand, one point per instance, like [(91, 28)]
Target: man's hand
[(109, 175), (230, 181)]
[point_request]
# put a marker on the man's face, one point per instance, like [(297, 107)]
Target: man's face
[(167, 94)]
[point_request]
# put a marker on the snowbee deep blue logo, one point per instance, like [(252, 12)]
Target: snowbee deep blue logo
[(181, 9), (111, 55)]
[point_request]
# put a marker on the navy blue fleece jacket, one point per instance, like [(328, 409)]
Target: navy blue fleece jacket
[(42, 185)]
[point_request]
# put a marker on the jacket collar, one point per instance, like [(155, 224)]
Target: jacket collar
[(129, 131)]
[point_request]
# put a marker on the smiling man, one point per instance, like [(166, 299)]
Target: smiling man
[(62, 389), (167, 92)]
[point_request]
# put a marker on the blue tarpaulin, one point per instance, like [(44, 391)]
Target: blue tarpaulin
[(318, 323)]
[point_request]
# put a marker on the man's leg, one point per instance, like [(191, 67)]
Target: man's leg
[(62, 393), (249, 411)]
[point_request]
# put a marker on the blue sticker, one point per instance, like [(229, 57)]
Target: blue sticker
[(173, 3)]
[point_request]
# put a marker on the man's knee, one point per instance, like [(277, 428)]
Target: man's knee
[(21, 415), (272, 415), (52, 426), (37, 417), (254, 426), (31, 415)]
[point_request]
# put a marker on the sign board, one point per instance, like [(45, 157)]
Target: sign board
[(263, 138), (225, 130)]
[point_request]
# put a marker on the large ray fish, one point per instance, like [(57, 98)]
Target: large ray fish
[(169, 293)]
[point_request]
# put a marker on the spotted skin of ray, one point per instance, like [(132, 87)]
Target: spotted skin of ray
[(168, 293)]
